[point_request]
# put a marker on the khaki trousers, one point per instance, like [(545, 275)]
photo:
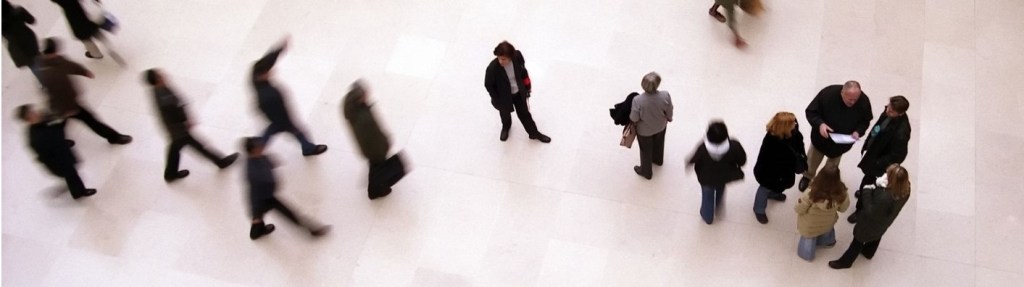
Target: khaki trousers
[(814, 157)]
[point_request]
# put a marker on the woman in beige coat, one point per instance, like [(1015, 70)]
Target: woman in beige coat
[(818, 210)]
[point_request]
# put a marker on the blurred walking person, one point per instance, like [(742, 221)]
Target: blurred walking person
[(262, 186), (272, 103), (717, 162), (22, 44), (46, 138), (372, 141)]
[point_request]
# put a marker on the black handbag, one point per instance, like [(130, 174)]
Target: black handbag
[(801, 160)]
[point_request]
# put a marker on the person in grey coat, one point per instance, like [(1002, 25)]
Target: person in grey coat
[(372, 140), (880, 204), (651, 112)]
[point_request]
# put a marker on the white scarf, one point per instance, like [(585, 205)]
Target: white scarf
[(717, 151)]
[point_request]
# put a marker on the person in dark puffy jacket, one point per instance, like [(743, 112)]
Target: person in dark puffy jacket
[(782, 151), (717, 161), (880, 204)]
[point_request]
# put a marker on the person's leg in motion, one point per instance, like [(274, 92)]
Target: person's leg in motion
[(212, 156), (171, 172), (269, 133), (74, 181), (715, 14), (506, 124), (91, 50), (100, 128), (707, 203), (260, 228), (287, 212)]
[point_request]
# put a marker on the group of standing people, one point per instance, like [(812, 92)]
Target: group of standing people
[(839, 116)]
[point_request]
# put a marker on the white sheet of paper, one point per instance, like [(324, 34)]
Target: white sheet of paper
[(842, 139)]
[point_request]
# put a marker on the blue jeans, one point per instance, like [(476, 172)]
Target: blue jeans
[(307, 146), (711, 199), (761, 199), (807, 245)]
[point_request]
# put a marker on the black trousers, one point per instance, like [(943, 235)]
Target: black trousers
[(95, 125), (868, 249), (652, 150), (174, 154), (66, 169), (523, 112)]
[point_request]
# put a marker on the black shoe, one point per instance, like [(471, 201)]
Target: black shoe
[(320, 231), (852, 218), (227, 161), (87, 193), (763, 219), (181, 174), (319, 149), (504, 135), (541, 137), (836, 265), (804, 182), (87, 55), (637, 170), (657, 163), (71, 143), (122, 140)]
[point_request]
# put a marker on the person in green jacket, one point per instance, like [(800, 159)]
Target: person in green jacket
[(881, 203), (372, 141)]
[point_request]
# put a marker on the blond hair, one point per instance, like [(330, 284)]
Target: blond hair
[(781, 125)]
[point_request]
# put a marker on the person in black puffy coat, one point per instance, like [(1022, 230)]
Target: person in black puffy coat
[(717, 161), (778, 162)]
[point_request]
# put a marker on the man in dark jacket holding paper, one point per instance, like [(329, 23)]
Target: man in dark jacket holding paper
[(272, 103), (837, 109), (175, 120)]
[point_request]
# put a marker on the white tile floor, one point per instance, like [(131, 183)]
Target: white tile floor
[(476, 211)]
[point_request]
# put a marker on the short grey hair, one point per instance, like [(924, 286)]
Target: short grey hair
[(651, 82)]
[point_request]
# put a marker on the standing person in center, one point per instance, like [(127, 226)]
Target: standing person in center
[(178, 126), (651, 112), (55, 72), (508, 83), (717, 161), (841, 109), (272, 103), (818, 210), (259, 173), (372, 141), (886, 145), (778, 162)]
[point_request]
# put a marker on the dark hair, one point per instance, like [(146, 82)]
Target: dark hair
[(22, 111), (899, 104), (717, 132), (251, 143), (151, 77), (504, 49), (51, 46)]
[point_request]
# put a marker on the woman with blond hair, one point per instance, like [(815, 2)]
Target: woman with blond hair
[(818, 210), (881, 203), (778, 162)]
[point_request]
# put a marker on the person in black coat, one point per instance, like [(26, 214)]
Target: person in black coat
[(836, 109), (717, 162), (259, 174), (272, 104), (178, 126), (880, 204), (53, 149), (778, 162), (886, 144), (508, 83), (22, 44), (83, 27)]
